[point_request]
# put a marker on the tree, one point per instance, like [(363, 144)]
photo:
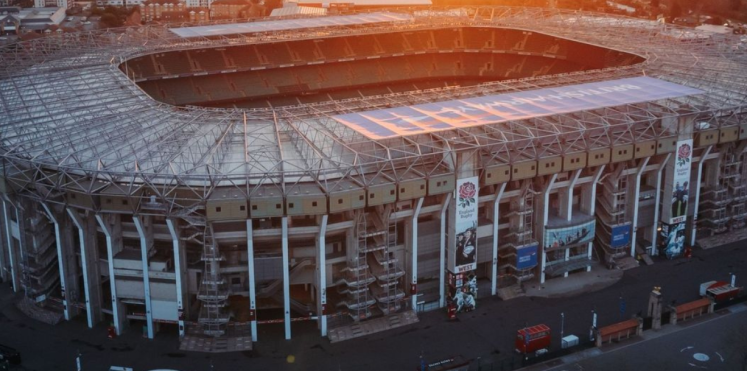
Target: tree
[(676, 10), (110, 20)]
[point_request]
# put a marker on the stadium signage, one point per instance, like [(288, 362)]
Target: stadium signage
[(478, 111), (463, 243)]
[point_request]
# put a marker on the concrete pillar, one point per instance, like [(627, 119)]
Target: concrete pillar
[(414, 269), (145, 231), (67, 261), (589, 203), (566, 206), (10, 243), (655, 306), (4, 261), (442, 254), (89, 257), (286, 278), (250, 275), (543, 217), (180, 272), (321, 264), (636, 195), (496, 215), (112, 228), (694, 227), (655, 235)]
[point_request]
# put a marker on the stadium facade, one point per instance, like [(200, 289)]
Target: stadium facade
[(359, 168)]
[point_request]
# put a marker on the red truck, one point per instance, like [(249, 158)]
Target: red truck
[(720, 291), (535, 339)]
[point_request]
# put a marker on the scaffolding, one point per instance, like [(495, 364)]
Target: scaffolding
[(519, 236), (214, 291), (612, 213)]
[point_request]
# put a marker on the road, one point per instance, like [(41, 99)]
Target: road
[(487, 332), (717, 343)]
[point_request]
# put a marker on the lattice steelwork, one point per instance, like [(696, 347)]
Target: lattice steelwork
[(67, 109)]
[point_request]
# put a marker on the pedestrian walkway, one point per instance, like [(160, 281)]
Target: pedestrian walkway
[(722, 239), (238, 339), (372, 326), (575, 284)]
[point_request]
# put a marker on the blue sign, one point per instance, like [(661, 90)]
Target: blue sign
[(526, 257), (620, 235)]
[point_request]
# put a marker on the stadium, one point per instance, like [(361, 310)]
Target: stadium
[(341, 174)]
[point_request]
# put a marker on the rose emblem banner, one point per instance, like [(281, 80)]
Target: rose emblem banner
[(463, 229)]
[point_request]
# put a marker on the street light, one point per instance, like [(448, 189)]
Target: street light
[(593, 324), (562, 324)]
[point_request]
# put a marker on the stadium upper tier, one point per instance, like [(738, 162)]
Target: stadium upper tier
[(302, 67), (74, 119)]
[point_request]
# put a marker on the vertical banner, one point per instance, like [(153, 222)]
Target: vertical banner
[(677, 191), (463, 240)]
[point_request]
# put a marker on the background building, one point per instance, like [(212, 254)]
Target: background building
[(359, 174)]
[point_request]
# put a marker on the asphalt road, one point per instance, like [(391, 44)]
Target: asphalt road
[(716, 343), (487, 332)]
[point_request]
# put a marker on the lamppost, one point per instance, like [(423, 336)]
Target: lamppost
[(562, 324)]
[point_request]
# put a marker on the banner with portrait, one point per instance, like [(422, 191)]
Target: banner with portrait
[(677, 185), (463, 227), (672, 239)]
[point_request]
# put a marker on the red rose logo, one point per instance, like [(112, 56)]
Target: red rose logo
[(467, 192), (683, 155)]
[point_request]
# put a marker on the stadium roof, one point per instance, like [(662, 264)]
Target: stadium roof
[(289, 24), (453, 114), (111, 130)]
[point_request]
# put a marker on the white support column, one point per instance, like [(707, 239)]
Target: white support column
[(442, 254), (636, 195), (250, 275), (414, 279), (60, 257), (321, 264), (543, 224), (592, 208), (179, 269), (4, 272), (93, 307), (657, 198), (9, 240), (496, 203), (697, 194), (112, 239), (568, 207), (146, 241), (286, 278)]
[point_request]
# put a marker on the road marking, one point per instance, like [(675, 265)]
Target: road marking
[(686, 348), (697, 366), (720, 356)]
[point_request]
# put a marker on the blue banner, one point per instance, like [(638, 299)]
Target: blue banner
[(620, 235), (526, 257)]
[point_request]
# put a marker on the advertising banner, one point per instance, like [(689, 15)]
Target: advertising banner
[(462, 291), (672, 238), (620, 236), (463, 228), (677, 185), (568, 236), (526, 257)]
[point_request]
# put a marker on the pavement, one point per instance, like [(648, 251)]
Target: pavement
[(485, 335)]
